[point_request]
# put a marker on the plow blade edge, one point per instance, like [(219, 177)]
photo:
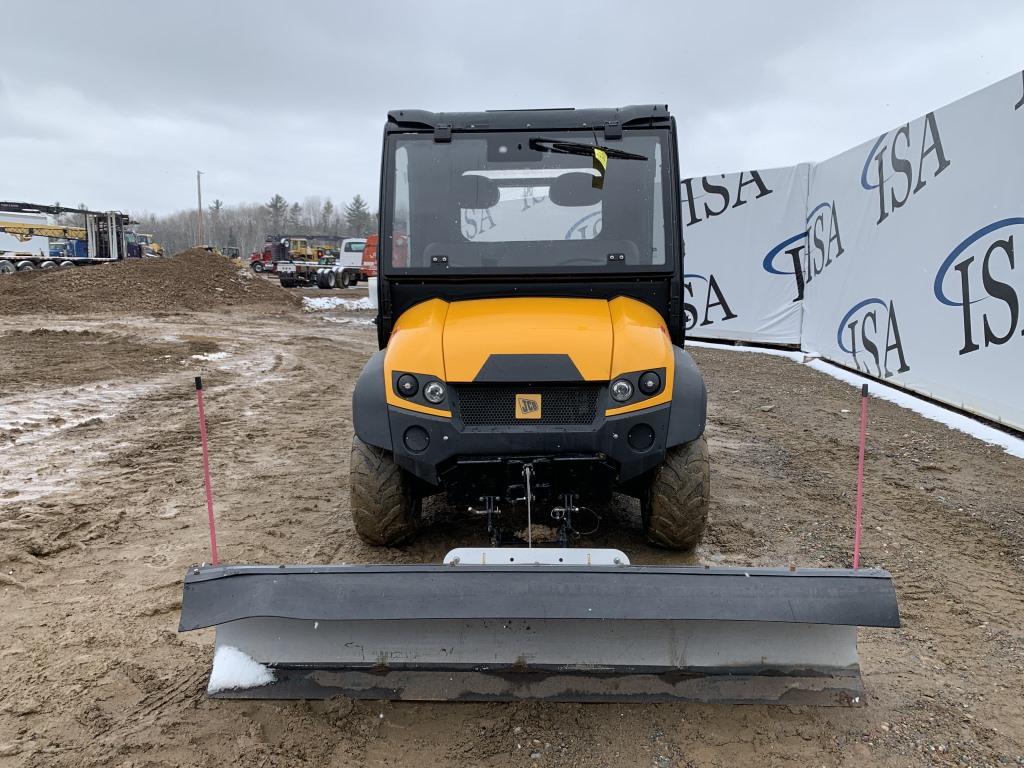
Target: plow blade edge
[(562, 633)]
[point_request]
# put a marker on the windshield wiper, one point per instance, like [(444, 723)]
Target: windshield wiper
[(560, 147)]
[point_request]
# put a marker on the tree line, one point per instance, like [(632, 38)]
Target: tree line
[(245, 226)]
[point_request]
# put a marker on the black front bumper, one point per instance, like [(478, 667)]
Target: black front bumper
[(607, 440)]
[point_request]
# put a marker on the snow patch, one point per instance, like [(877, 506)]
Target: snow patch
[(1011, 444), (317, 303), (212, 356), (790, 354), (349, 320), (234, 669)]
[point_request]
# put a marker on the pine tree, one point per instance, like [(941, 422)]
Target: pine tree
[(294, 217), (276, 210), (327, 217), (359, 220)]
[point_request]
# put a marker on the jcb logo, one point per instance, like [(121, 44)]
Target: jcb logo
[(528, 406)]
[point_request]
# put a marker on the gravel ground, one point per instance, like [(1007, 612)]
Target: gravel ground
[(101, 511)]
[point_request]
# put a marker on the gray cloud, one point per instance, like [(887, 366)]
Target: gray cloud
[(116, 104)]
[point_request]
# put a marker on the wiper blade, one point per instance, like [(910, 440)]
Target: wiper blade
[(560, 147)]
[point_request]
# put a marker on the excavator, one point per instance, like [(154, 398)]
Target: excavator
[(532, 364)]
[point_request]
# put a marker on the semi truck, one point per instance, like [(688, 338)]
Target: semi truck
[(292, 248), (341, 270)]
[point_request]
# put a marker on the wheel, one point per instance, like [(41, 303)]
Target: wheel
[(321, 280), (257, 266), (48, 265), (26, 266), (331, 280), (66, 263), (287, 281), (6, 267), (385, 508), (346, 280), (674, 506)]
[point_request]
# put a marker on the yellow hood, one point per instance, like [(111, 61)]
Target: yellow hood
[(475, 330)]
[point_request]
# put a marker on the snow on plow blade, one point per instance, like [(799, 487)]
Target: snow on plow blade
[(556, 632)]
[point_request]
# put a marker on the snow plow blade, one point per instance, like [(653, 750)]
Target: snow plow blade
[(556, 632)]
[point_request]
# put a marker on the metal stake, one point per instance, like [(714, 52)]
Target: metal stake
[(527, 471)]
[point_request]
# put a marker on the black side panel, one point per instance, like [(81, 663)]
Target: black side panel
[(689, 401), (370, 406), (502, 369)]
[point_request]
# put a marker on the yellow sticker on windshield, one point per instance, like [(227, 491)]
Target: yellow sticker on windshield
[(600, 165)]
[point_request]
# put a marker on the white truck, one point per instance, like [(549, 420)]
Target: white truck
[(341, 271)]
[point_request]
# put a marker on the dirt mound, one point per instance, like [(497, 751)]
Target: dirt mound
[(195, 280)]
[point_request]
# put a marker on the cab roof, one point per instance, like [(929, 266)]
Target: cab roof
[(633, 116)]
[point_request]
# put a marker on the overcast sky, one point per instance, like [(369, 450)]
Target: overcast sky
[(116, 104)]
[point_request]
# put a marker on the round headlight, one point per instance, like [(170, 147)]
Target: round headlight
[(650, 383), (434, 392), (407, 385), (622, 390)]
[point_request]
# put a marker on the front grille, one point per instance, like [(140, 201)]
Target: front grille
[(494, 405)]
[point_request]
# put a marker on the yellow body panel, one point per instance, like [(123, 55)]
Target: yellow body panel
[(604, 339), (475, 330), (641, 343), (415, 347)]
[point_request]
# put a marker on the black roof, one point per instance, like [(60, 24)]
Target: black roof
[(634, 116)]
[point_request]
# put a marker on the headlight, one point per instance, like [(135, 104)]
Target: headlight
[(407, 385), (434, 392), (650, 383), (622, 390)]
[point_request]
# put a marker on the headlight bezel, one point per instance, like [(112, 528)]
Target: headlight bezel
[(637, 398)]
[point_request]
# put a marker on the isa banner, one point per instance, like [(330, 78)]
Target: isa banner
[(744, 236), (915, 268)]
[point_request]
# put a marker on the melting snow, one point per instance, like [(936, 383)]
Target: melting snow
[(958, 421), (316, 303), (349, 320), (211, 356), (234, 669)]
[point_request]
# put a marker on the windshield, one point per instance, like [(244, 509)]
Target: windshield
[(525, 201)]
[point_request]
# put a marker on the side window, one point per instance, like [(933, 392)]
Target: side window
[(400, 225), (658, 235)]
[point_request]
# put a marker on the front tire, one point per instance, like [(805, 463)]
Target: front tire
[(257, 266), (385, 508), (675, 505)]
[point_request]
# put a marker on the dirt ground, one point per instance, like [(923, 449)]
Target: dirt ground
[(102, 510)]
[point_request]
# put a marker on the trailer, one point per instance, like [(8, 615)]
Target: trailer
[(30, 239), (343, 270)]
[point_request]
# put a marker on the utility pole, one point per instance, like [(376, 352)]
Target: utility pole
[(199, 210)]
